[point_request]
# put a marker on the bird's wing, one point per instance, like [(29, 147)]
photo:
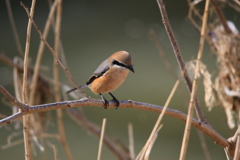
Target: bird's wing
[(102, 68)]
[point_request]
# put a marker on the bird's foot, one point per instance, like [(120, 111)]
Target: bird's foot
[(115, 100), (105, 103), (116, 103)]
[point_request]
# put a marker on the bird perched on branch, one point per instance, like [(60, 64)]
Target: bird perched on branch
[(110, 74)]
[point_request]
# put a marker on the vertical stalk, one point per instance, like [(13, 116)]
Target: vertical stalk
[(24, 86), (195, 83), (56, 81)]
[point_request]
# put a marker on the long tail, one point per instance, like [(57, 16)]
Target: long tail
[(71, 90)]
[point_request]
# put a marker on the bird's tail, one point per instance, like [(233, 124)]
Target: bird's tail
[(71, 90)]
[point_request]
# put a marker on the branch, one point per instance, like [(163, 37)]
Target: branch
[(24, 98), (52, 51), (13, 100), (179, 58), (217, 138), (221, 16)]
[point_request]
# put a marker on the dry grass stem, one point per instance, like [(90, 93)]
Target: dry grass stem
[(56, 81), (237, 2), (152, 136), (226, 153), (237, 154), (17, 89), (204, 145), (224, 39), (195, 83), (14, 28), (221, 16), (12, 144), (40, 54), (209, 97), (77, 115), (237, 149), (62, 54), (148, 151), (54, 151), (63, 136), (56, 48), (131, 141), (52, 51), (101, 139), (179, 58), (26, 128)]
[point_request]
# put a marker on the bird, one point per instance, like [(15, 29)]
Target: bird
[(109, 75)]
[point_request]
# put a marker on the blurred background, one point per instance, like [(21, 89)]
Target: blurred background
[(90, 32)]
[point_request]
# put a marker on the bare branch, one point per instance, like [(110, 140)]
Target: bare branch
[(217, 138), (40, 54), (24, 98), (52, 51), (221, 16), (179, 58), (13, 100)]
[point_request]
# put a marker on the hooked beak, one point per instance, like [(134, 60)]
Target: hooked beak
[(131, 68)]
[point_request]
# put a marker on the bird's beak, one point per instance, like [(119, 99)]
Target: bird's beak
[(131, 68)]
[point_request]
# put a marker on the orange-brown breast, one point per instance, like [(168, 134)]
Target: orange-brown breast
[(112, 79)]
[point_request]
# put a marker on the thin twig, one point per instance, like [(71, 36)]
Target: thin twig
[(56, 48), (52, 51), (148, 151), (13, 100), (157, 124), (226, 152), (62, 54), (12, 144), (236, 155), (179, 58), (204, 145), (78, 116), (28, 155), (61, 128), (195, 83), (237, 2), (40, 54), (14, 28), (17, 88), (237, 134), (101, 139), (131, 141), (54, 151), (221, 16), (174, 75)]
